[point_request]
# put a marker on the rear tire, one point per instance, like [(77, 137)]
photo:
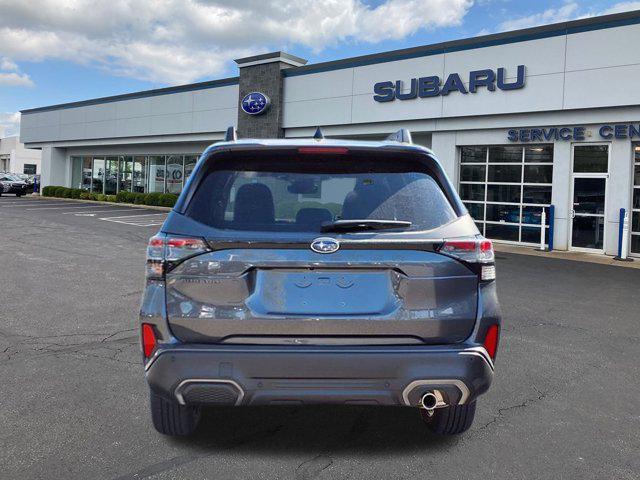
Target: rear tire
[(451, 420), (171, 418)]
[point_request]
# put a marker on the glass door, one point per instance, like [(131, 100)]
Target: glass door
[(111, 176), (588, 213), (589, 193)]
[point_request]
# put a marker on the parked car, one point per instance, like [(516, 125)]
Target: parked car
[(317, 271), (12, 184), (28, 179)]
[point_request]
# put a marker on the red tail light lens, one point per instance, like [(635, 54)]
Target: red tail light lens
[(473, 251), (164, 250), (491, 341), (149, 342)]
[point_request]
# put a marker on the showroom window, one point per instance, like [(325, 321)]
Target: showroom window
[(29, 169), (635, 207), (505, 189), (132, 173)]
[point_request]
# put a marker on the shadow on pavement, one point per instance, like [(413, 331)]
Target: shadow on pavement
[(309, 429)]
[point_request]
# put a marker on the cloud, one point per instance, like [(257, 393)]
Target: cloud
[(177, 41), (621, 7), (11, 76), (6, 64), (571, 10), (13, 79), (10, 123), (551, 15)]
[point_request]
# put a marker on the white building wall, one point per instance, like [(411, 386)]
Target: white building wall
[(18, 155), (199, 111), (55, 167), (565, 72)]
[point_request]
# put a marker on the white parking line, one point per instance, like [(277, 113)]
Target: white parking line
[(20, 204), (108, 210), (60, 208), (138, 220), (145, 215)]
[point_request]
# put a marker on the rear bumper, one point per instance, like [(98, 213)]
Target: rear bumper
[(266, 375)]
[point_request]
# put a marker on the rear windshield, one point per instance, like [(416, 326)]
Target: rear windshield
[(302, 196)]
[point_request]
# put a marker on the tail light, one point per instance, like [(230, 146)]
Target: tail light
[(148, 338), (324, 150), (164, 252), (491, 341), (477, 253)]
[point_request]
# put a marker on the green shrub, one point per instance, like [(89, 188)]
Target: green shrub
[(168, 200), (153, 198), (125, 197)]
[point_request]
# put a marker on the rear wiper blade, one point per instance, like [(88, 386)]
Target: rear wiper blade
[(363, 225)]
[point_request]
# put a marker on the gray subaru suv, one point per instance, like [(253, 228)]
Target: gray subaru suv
[(316, 271)]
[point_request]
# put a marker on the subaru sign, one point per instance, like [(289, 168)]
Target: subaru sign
[(255, 103), (425, 87), (578, 133), (325, 245)]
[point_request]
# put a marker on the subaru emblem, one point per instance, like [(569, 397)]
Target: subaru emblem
[(325, 245), (255, 103)]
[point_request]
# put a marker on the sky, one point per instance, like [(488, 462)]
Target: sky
[(57, 51)]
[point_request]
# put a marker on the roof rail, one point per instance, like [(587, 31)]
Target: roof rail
[(403, 136), (318, 135), (231, 135)]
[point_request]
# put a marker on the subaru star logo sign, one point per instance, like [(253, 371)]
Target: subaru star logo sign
[(325, 245), (255, 103)]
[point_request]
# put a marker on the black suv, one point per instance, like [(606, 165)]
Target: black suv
[(10, 183), (319, 271)]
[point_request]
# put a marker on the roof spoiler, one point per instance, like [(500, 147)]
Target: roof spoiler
[(231, 135), (403, 136)]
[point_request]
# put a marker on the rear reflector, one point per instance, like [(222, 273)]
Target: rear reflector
[(488, 273), (324, 150), (148, 339), (491, 341)]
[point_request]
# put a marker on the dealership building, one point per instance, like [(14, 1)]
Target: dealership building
[(521, 121)]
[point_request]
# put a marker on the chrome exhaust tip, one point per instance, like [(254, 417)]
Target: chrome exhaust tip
[(429, 401)]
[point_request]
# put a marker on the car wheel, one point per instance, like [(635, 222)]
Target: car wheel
[(171, 418), (451, 420), (18, 195)]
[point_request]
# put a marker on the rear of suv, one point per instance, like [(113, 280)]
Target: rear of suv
[(319, 272)]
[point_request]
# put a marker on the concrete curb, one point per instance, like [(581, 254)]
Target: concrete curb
[(80, 200), (563, 255)]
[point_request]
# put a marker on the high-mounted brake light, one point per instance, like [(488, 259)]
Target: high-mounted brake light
[(473, 251), (165, 251), (324, 150), (491, 341), (148, 339)]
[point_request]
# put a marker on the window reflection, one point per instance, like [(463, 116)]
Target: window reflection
[(97, 186), (174, 173), (132, 173), (139, 177), (156, 174), (111, 176)]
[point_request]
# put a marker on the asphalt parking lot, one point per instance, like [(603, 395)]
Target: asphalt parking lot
[(73, 402)]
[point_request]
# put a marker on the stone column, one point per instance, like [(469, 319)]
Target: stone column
[(263, 73)]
